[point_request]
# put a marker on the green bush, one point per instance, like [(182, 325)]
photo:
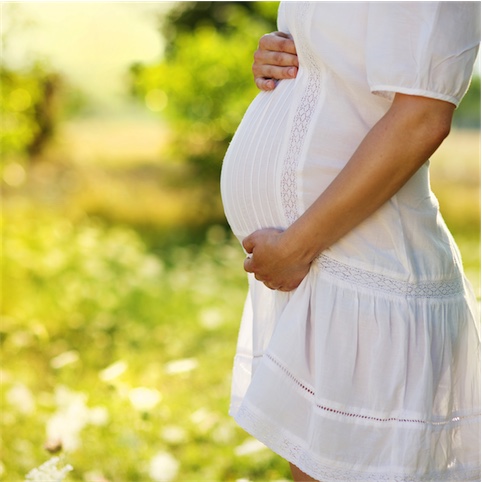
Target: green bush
[(30, 108), (204, 84), (467, 114)]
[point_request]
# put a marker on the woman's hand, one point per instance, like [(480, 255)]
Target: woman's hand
[(274, 60), (273, 261)]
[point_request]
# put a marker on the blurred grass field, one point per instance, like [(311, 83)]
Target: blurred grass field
[(119, 325), (455, 177)]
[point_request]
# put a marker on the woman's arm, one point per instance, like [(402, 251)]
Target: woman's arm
[(274, 60), (393, 150)]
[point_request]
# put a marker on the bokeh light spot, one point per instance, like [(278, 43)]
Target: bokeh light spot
[(156, 100), (19, 100)]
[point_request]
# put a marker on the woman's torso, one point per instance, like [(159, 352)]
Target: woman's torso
[(293, 142)]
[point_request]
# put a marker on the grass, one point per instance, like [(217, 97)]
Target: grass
[(119, 324)]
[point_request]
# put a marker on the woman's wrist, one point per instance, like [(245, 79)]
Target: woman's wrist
[(303, 242)]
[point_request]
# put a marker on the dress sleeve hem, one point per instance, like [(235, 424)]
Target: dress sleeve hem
[(388, 92)]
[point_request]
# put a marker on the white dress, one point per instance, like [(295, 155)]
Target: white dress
[(369, 370)]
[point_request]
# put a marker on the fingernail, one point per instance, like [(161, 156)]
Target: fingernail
[(291, 71)]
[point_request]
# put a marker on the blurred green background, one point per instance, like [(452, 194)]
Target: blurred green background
[(122, 287)]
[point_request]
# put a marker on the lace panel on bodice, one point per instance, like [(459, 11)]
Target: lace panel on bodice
[(301, 120)]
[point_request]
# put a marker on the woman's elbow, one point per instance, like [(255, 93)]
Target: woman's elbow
[(438, 126), (431, 117)]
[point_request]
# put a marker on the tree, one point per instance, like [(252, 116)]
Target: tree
[(29, 106), (203, 84)]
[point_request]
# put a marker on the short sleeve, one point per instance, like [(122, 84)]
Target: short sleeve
[(422, 48)]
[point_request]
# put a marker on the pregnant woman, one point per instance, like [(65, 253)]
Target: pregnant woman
[(357, 357)]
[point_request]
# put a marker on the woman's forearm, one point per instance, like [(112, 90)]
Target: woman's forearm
[(391, 153)]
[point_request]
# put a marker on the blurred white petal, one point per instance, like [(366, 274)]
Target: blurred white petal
[(249, 447), (163, 467), (144, 399), (113, 371), (64, 359), (211, 319), (98, 416), (204, 419), (174, 434), (181, 366), (21, 398), (72, 415), (49, 471)]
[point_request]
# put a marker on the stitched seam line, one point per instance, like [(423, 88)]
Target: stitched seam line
[(310, 391)]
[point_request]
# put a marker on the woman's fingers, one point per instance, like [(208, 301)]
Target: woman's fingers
[(275, 59), (265, 84), (248, 265), (248, 243), (278, 41), (274, 72)]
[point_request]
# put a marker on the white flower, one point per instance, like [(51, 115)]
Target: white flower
[(144, 399), (21, 398), (72, 415), (224, 433), (174, 434), (64, 359), (211, 319), (249, 447), (95, 476), (204, 419), (113, 371), (49, 471), (181, 366), (163, 467), (98, 416)]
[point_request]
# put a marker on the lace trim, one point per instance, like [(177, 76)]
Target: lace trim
[(281, 443), (368, 279), (310, 391), (301, 121)]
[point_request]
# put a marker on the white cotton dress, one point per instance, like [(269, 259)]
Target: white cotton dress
[(369, 370)]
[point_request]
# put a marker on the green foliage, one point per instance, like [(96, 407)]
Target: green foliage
[(204, 84), (29, 106), (467, 114), (185, 17), (124, 356)]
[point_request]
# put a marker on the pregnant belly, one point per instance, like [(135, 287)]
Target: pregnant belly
[(252, 167)]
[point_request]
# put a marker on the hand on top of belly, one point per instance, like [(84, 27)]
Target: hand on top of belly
[(272, 261), (275, 59)]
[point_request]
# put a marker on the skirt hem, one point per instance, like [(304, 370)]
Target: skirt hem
[(288, 447)]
